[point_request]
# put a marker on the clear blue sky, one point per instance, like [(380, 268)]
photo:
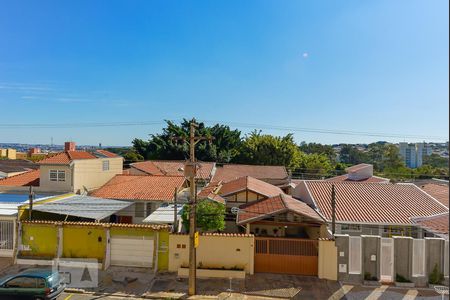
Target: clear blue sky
[(375, 66)]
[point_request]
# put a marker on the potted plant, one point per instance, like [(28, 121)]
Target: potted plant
[(435, 277), (371, 280), (401, 281)]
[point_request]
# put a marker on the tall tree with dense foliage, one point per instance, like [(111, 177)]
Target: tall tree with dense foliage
[(314, 166), (349, 154), (317, 148), (223, 145), (210, 216), (265, 149)]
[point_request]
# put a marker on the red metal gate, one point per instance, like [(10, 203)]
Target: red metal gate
[(286, 256)]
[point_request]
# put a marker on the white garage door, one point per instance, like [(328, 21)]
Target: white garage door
[(132, 251)]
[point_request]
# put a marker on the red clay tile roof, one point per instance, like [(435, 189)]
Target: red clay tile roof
[(344, 178), (211, 192), (437, 224), (64, 158), (230, 172), (106, 153), (373, 202), (138, 187), (251, 184), (275, 205), (437, 191), (23, 179), (173, 168)]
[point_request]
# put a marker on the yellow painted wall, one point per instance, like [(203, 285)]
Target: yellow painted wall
[(3, 152), (163, 251), (213, 252), (84, 241), (241, 198), (89, 172), (327, 260), (42, 240), (55, 186), (11, 153)]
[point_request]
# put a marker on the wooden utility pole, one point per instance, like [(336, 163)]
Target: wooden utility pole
[(190, 173), (333, 209), (175, 211)]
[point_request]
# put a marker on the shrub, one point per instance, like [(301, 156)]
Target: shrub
[(435, 277), (400, 278)]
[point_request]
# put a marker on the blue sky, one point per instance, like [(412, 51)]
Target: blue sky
[(372, 66)]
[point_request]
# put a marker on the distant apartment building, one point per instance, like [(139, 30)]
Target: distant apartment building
[(8, 153), (414, 153)]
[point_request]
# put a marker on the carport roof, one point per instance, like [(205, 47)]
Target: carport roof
[(83, 207)]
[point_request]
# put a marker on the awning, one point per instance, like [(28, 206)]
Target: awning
[(83, 207), (164, 214)]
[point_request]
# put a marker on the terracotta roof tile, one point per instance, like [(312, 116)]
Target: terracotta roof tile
[(23, 179), (437, 191), (251, 184), (230, 172), (211, 192), (274, 205), (173, 168), (95, 224), (437, 224), (373, 202), (137, 187), (16, 165), (343, 178), (64, 158), (106, 153)]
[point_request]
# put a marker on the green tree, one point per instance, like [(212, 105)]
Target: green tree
[(349, 154), (210, 216), (133, 156), (223, 145), (265, 149), (391, 157), (436, 161), (315, 166), (317, 148)]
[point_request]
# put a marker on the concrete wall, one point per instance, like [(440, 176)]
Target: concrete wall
[(371, 256), (328, 259), (214, 251), (89, 172), (48, 240), (55, 186), (403, 258)]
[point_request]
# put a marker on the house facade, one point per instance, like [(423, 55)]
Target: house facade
[(380, 209), (146, 192)]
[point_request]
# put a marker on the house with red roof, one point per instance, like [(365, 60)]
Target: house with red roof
[(275, 175), (69, 171), (147, 192), (373, 208)]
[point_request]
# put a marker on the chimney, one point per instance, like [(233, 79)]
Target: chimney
[(69, 146)]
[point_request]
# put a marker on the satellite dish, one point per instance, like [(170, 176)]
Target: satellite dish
[(234, 210)]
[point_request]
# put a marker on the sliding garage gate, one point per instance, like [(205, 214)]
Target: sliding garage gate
[(131, 251), (286, 256)]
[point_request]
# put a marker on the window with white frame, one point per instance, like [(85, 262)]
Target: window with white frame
[(57, 175), (105, 165), (351, 227)]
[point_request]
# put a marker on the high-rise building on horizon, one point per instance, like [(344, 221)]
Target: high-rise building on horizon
[(414, 153)]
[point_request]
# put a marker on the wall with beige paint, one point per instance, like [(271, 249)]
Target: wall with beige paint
[(327, 260), (214, 251), (55, 186), (89, 172)]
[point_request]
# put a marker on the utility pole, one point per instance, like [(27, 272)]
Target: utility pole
[(333, 209), (190, 173), (192, 209), (30, 200), (175, 211)]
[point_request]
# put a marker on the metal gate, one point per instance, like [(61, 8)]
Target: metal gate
[(387, 260), (286, 256), (132, 251)]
